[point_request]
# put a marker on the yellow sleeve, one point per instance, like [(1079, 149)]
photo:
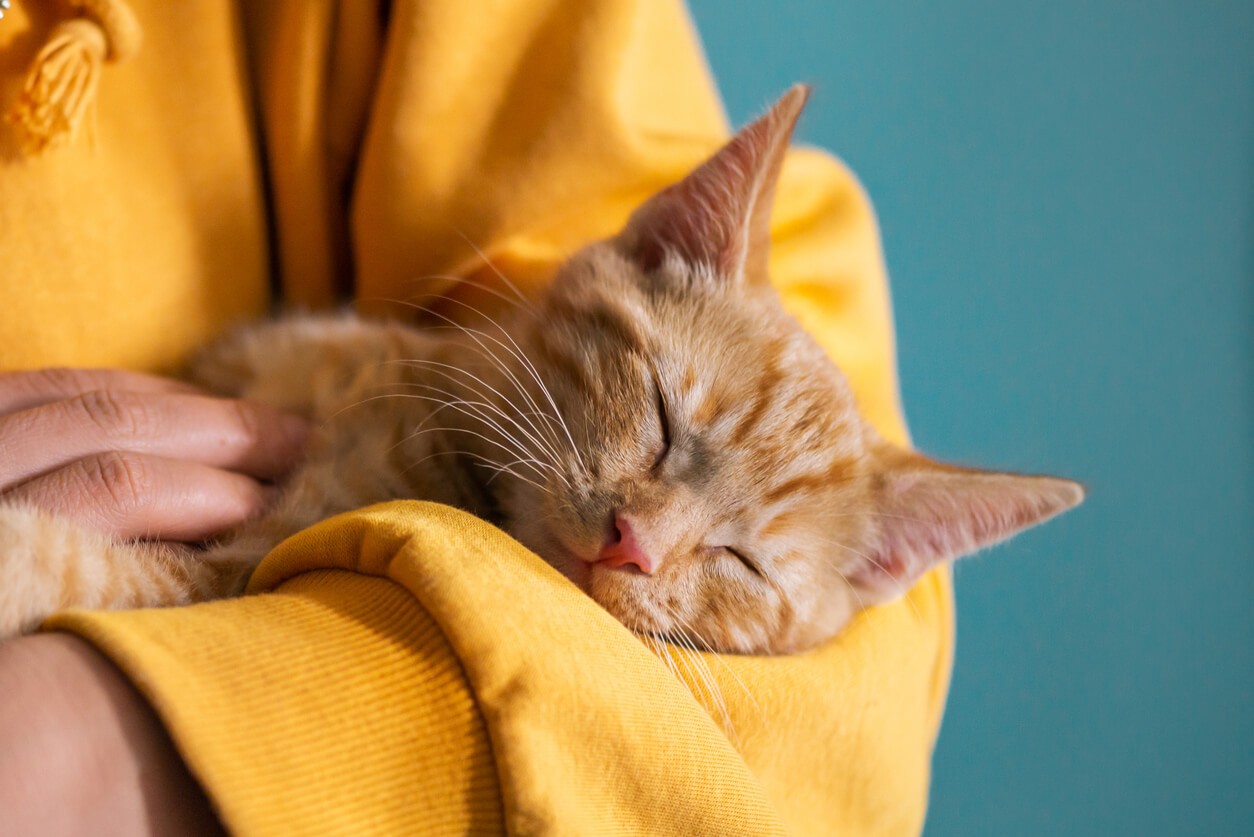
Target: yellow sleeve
[(407, 668)]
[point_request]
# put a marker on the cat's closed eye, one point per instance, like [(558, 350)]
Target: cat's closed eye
[(664, 418), (743, 558)]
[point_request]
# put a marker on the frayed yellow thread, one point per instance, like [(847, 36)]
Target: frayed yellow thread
[(59, 93)]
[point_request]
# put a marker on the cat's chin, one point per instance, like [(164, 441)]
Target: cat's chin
[(626, 594), (616, 590)]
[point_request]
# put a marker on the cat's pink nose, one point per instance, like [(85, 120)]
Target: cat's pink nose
[(622, 550)]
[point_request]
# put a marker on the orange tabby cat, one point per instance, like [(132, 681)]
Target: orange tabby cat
[(656, 427)]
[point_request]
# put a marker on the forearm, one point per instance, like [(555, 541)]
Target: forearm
[(83, 752)]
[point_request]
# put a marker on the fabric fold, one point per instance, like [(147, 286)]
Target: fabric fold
[(502, 667)]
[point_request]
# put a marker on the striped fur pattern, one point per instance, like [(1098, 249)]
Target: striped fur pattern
[(658, 378)]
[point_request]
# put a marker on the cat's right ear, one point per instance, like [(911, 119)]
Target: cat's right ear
[(926, 512), (718, 217)]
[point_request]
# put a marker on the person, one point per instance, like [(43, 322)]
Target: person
[(404, 668)]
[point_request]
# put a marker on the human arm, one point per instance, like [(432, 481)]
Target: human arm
[(84, 752)]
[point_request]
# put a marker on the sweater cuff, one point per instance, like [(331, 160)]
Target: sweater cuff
[(413, 752)]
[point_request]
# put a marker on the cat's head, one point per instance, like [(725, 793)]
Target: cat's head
[(711, 476)]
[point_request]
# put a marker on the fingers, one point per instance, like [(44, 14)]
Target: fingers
[(23, 390), (137, 456), (132, 495), (218, 432)]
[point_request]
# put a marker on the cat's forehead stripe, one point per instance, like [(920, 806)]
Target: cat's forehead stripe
[(689, 381), (763, 399), (780, 524), (842, 470)]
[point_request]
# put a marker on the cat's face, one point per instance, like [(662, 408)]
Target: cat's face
[(722, 467), (711, 479)]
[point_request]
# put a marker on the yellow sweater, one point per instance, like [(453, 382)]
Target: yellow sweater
[(407, 668)]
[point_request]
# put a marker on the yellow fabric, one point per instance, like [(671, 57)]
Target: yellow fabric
[(411, 667), (146, 235)]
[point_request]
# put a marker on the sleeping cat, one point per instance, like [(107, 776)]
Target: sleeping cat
[(655, 426)]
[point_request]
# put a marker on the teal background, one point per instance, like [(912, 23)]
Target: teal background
[(1066, 194)]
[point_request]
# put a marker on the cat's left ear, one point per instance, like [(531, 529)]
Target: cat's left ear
[(925, 512), (718, 217)]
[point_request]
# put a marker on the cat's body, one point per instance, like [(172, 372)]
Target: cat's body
[(654, 426)]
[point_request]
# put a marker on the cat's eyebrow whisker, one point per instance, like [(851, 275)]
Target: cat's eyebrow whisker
[(521, 356), (487, 261), (881, 514), (486, 462), (475, 335), (507, 468), (518, 301), (500, 469), (487, 354), (453, 401), (535, 409)]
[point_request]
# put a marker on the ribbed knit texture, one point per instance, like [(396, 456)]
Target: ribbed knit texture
[(311, 741)]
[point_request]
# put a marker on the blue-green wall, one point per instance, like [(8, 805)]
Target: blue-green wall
[(1066, 192)]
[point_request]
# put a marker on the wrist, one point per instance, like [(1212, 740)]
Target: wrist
[(84, 752)]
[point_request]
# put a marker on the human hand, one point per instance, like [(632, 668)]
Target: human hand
[(137, 456)]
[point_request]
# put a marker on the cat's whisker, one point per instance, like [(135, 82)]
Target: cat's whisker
[(681, 641), (730, 671), (521, 355), (487, 261), (696, 665), (661, 650), (455, 402), (440, 368), (862, 608), (518, 301), (476, 334), (484, 460), (479, 408), (475, 433)]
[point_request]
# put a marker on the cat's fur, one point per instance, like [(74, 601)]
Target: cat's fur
[(657, 392)]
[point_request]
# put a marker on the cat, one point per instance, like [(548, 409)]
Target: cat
[(654, 426)]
